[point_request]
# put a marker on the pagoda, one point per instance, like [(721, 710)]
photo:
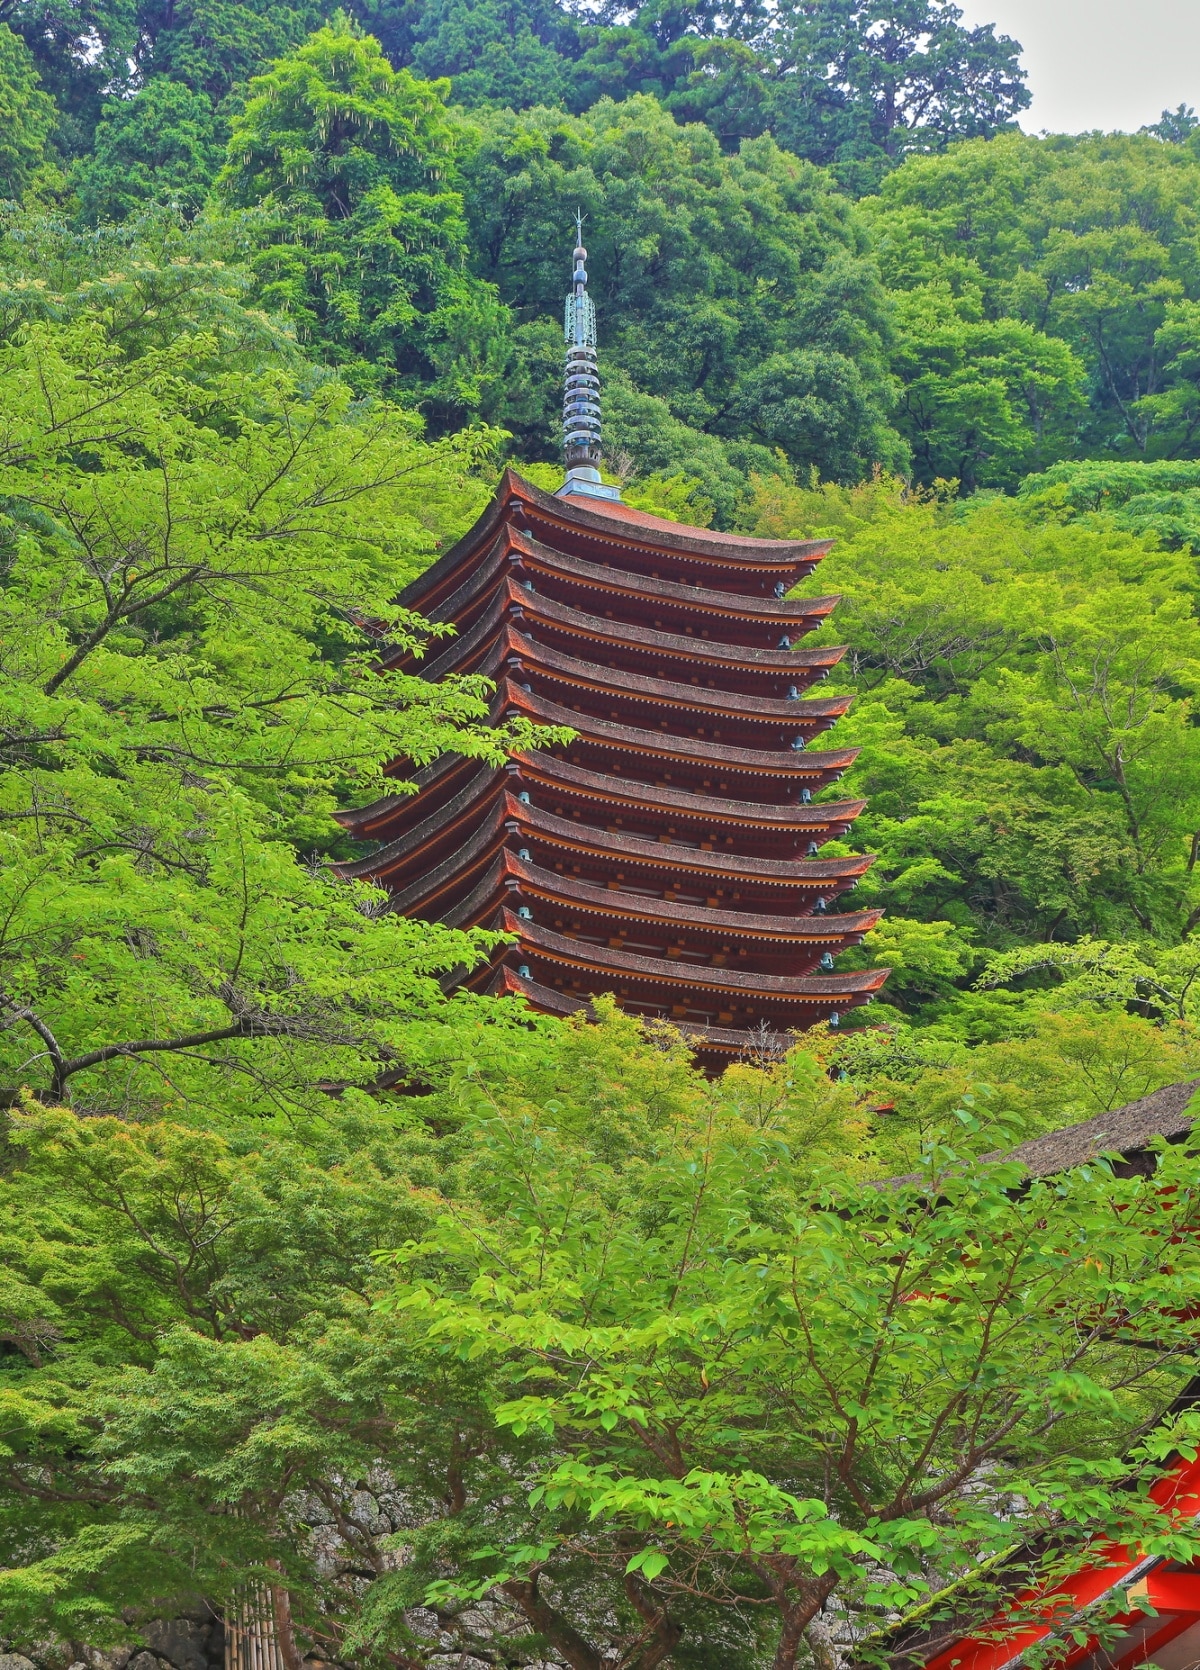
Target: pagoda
[(671, 853)]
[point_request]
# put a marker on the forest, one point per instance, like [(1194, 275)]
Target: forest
[(450, 1335)]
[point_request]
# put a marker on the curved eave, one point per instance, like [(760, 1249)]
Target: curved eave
[(691, 861), (631, 535), (511, 879), (551, 615), (609, 683), (513, 553), (620, 793), (537, 558), (613, 795), (697, 752), (726, 1043), (573, 953), (601, 848)]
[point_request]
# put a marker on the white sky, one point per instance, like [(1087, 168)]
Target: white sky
[(1100, 63)]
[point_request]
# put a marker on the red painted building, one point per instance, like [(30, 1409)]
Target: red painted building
[(671, 854)]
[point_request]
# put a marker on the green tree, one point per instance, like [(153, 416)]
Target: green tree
[(862, 83), (761, 1395), (736, 289), (349, 169), (188, 696), (500, 52), (88, 51), (1090, 240), (26, 116), (608, 1408), (983, 401), (164, 145), (1025, 712), (1160, 498)]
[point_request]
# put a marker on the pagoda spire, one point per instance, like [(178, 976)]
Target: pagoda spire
[(581, 386)]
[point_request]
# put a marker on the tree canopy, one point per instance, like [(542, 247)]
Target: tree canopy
[(450, 1335)]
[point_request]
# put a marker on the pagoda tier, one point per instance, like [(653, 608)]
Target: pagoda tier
[(670, 853)]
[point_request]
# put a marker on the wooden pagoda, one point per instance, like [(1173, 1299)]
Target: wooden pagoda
[(670, 854)]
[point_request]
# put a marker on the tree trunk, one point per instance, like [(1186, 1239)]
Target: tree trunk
[(567, 1642)]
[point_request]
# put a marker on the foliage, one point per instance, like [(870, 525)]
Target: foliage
[(187, 698), (164, 145), (93, 53), (147, 281), (1090, 241), (862, 83), (608, 1408), (757, 1392), (736, 289), (26, 116), (1025, 710), (855, 83), (1161, 498), (350, 166)]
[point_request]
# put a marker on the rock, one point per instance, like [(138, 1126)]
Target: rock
[(16, 1661), (54, 1655), (183, 1642), (115, 1659), (141, 1661)]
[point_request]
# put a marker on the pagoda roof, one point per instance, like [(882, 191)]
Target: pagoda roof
[(494, 589), (721, 1041), (677, 750), (614, 683), (645, 589), (636, 639), (677, 744), (614, 792), (702, 808), (813, 874), (612, 528), (534, 881), (579, 955)]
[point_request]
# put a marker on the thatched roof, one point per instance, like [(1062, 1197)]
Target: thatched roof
[(1126, 1130)]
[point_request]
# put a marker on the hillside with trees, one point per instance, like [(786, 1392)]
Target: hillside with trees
[(471, 1338)]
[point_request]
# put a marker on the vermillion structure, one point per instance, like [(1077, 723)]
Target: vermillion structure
[(669, 855)]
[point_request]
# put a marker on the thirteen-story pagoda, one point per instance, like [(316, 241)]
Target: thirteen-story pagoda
[(670, 854)]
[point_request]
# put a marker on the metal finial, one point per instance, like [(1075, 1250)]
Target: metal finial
[(581, 391)]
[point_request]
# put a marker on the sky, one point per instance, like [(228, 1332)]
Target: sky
[(1100, 63)]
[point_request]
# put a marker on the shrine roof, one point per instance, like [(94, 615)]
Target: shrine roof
[(616, 510), (1125, 1130), (1166, 1113)]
